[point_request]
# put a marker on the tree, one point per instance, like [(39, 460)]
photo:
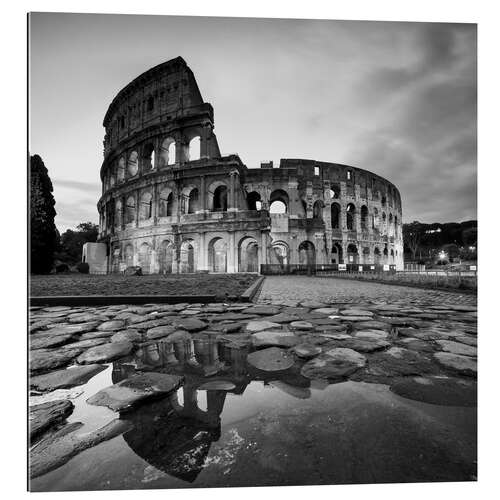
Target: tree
[(72, 242), (412, 234), (43, 232)]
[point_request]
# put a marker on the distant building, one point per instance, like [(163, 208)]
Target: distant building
[(171, 203)]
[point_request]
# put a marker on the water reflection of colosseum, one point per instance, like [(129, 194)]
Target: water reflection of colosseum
[(171, 203)]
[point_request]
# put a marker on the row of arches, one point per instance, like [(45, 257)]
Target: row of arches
[(148, 157), (280, 254), (279, 203), (167, 260), (188, 201)]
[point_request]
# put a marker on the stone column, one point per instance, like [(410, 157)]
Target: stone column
[(203, 194), (232, 259), (137, 208), (231, 202), (155, 203), (293, 199), (202, 253)]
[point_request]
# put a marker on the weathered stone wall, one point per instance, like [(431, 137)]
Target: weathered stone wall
[(172, 203)]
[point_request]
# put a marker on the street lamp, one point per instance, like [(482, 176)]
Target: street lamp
[(442, 255)]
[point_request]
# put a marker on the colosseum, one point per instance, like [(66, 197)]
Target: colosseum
[(172, 203)]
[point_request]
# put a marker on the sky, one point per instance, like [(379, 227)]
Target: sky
[(398, 99)]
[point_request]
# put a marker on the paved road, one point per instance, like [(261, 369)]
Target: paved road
[(298, 288)]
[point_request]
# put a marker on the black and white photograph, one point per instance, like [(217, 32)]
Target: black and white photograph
[(252, 252)]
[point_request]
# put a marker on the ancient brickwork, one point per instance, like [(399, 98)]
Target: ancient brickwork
[(171, 203)]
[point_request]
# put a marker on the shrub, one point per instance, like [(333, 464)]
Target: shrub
[(83, 267)]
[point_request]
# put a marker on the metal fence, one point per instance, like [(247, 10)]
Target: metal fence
[(325, 269)]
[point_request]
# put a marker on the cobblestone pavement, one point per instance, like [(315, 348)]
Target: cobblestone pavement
[(277, 289), (101, 372)]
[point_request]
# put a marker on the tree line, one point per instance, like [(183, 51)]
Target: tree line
[(456, 239), (48, 248)]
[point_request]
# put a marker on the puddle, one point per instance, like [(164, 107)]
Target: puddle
[(257, 428)]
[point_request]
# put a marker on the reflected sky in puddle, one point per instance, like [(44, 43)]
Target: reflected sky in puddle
[(270, 429)]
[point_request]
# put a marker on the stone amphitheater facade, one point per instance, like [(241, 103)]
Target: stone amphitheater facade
[(171, 203)]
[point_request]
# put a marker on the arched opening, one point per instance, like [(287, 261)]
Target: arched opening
[(112, 179), (167, 152), (392, 255), (396, 226), (254, 201), (376, 255), (166, 203), (384, 200), (166, 257), (364, 217), (248, 256), (279, 254), (278, 202), (145, 206), (145, 258), (334, 191), (351, 217), (129, 255), (307, 253), (217, 254), (386, 253), (118, 214), (384, 220), (318, 210), (193, 201), (366, 255), (352, 254), (187, 257), (220, 199), (120, 173), (148, 157), (133, 164), (194, 149), (337, 257), (130, 210), (335, 215), (375, 219)]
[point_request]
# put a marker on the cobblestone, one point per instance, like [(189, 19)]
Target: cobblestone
[(281, 289)]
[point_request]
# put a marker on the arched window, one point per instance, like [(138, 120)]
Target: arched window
[(145, 258), (318, 210), (384, 218), (146, 206), (352, 254), (193, 201), (150, 103), (351, 217), (130, 210), (248, 256), (254, 201), (188, 257), (120, 173), (335, 215), (166, 257), (129, 255), (336, 257), (376, 255), (279, 253), (220, 199), (167, 152), (375, 220), (133, 164), (278, 202), (217, 253), (148, 157), (194, 149), (307, 253), (395, 225), (118, 214), (364, 217), (384, 201), (166, 203)]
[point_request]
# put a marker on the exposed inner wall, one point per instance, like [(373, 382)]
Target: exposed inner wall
[(171, 203)]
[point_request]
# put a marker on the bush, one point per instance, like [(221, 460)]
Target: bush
[(83, 268), (62, 268)]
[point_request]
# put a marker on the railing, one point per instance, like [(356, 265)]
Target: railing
[(325, 269)]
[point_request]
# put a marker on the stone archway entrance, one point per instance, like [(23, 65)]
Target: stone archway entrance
[(217, 254), (248, 256)]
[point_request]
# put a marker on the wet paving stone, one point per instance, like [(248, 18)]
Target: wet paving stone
[(246, 362)]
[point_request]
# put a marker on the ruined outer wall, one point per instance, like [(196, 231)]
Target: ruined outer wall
[(172, 203)]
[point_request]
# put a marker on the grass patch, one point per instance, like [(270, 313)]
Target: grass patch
[(220, 285)]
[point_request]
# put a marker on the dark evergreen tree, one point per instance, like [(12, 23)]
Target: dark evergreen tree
[(43, 232)]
